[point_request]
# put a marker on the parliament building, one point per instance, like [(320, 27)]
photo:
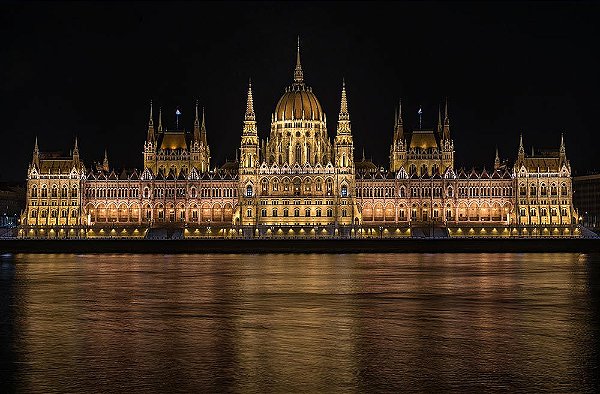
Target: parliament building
[(299, 182)]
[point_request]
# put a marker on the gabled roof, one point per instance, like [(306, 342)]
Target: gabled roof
[(173, 140), (423, 139)]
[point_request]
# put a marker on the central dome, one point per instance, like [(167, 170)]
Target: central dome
[(298, 102)]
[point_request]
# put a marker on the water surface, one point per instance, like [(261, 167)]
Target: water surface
[(300, 323)]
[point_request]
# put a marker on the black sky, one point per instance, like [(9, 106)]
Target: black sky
[(90, 69)]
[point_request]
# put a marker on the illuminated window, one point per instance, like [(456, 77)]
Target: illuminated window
[(249, 191), (344, 191)]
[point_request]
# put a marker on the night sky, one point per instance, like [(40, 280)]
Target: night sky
[(90, 69)]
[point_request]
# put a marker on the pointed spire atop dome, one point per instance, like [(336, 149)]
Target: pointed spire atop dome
[(250, 116), (298, 73)]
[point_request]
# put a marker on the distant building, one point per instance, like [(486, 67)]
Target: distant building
[(586, 198), (12, 203), (299, 182)]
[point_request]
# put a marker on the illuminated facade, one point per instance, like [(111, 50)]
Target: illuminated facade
[(298, 182)]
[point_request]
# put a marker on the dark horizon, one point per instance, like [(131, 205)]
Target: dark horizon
[(90, 70)]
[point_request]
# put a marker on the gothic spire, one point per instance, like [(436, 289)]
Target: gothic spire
[(105, 162), (160, 128), (250, 116), (36, 153), (150, 125), (344, 115), (439, 122), (196, 125), (446, 133), (344, 118), (497, 160), (298, 73), (76, 148), (399, 128), (446, 119), (562, 144), (400, 111), (521, 148), (203, 128)]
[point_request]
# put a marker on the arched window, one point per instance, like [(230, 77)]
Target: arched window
[(298, 154), (543, 190), (563, 190), (74, 192), (193, 192), (344, 191), (412, 169), (264, 185), (249, 191), (34, 191), (44, 191), (532, 190), (402, 192), (450, 191), (63, 192), (54, 191), (424, 170)]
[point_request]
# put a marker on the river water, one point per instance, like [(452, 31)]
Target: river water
[(300, 323)]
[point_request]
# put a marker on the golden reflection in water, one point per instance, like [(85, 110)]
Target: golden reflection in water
[(256, 323)]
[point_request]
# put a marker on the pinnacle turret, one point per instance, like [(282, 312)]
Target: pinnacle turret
[(150, 125), (203, 128), (250, 116), (196, 125), (446, 130), (160, 128), (344, 115), (105, 166)]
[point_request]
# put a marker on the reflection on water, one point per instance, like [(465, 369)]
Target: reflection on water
[(256, 323)]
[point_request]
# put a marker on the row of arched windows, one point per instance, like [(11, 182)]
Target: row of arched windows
[(54, 191)]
